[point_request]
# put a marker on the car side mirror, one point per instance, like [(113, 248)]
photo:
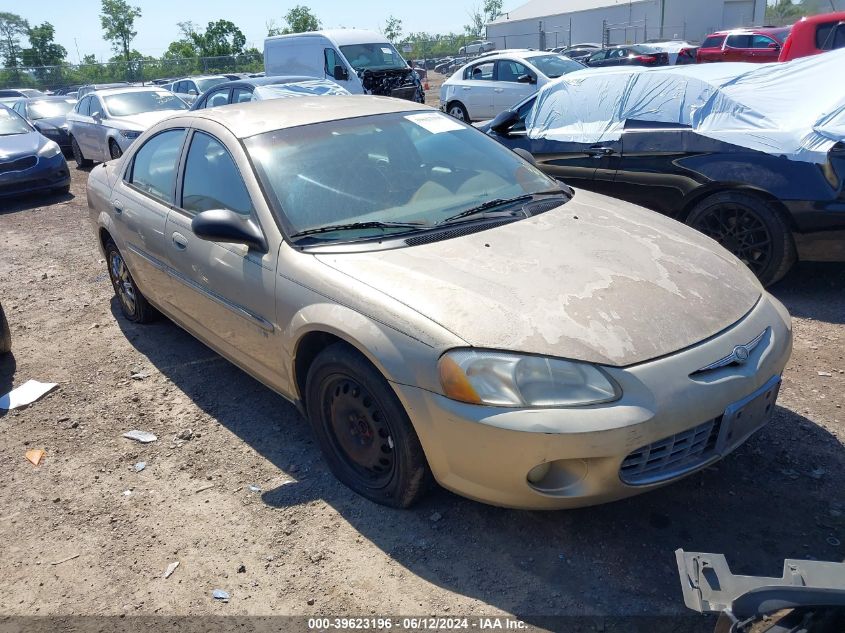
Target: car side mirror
[(526, 79), (224, 225), (193, 92), (526, 155), (774, 46), (341, 73), (97, 116), (504, 121)]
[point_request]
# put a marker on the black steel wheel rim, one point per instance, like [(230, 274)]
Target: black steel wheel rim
[(741, 231), (123, 284), (358, 430)]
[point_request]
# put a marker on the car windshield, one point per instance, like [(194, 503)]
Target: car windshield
[(11, 123), (209, 82), (554, 66), (48, 109), (31, 92), (410, 167), (129, 103), (373, 56)]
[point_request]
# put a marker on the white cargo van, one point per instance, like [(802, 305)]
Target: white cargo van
[(363, 62)]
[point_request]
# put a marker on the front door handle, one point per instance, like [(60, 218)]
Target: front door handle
[(179, 241), (601, 152), (118, 207)]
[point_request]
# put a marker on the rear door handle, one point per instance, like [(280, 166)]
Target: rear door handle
[(179, 241)]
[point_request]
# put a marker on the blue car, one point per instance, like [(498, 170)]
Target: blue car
[(29, 161)]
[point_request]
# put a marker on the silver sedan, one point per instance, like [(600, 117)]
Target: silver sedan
[(438, 308)]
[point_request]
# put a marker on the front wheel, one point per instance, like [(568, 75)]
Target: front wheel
[(81, 161), (363, 430), (457, 110), (114, 150), (133, 303), (750, 228)]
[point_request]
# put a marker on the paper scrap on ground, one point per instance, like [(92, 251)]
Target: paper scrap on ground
[(26, 394), (170, 569), (35, 456), (141, 436)]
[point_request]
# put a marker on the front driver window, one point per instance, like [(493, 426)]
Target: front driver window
[(155, 164), (212, 180)]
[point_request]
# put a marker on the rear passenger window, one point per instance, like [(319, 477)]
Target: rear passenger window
[(212, 180), (480, 72), (155, 164)]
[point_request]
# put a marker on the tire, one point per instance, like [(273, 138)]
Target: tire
[(114, 150), (133, 303), (81, 161), (362, 429), (749, 227), (457, 110), (5, 333), (62, 191)]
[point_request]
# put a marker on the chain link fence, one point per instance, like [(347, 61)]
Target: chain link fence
[(138, 71)]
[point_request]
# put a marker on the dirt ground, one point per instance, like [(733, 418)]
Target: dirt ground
[(84, 533)]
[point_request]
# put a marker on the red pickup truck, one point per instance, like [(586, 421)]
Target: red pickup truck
[(813, 35)]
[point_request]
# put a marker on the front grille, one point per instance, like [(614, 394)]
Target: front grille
[(19, 164), (672, 456)]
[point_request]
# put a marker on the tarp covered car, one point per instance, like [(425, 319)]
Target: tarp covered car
[(795, 110)]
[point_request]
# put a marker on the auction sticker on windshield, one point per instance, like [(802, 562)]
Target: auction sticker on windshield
[(435, 122)]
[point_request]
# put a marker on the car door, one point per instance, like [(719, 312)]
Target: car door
[(476, 90), (738, 48), (764, 49), (508, 89), (224, 293), (79, 120), (97, 136), (141, 200)]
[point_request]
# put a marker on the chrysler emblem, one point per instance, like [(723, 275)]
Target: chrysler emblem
[(739, 355)]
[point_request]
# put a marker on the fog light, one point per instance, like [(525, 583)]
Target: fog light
[(536, 474)]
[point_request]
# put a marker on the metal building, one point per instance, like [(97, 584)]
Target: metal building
[(550, 23)]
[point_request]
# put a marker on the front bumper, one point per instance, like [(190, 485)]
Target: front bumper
[(48, 173), (486, 453)]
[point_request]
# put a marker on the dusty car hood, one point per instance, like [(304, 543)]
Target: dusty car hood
[(597, 279), (17, 145)]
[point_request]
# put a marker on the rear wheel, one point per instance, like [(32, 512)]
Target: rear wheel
[(81, 161), (5, 333), (133, 304), (457, 110), (114, 149), (750, 228), (363, 430)]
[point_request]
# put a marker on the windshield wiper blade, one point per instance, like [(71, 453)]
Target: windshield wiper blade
[(481, 208), (359, 225)]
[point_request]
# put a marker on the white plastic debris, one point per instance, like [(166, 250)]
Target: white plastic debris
[(140, 436), (219, 594), (254, 489), (140, 466), (170, 569), (27, 393)]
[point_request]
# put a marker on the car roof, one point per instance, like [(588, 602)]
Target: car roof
[(341, 36), (107, 92), (29, 100), (823, 17), (200, 77), (263, 81), (256, 117)]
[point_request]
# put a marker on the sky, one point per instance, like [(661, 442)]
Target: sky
[(77, 22)]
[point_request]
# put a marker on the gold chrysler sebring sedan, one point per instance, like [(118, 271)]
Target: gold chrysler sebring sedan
[(437, 307)]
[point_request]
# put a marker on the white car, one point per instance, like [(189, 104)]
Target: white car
[(104, 123), (485, 87), (475, 47)]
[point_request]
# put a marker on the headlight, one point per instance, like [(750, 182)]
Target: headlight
[(503, 379), (130, 133), (49, 150)]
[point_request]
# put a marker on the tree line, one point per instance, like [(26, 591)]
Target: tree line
[(31, 56)]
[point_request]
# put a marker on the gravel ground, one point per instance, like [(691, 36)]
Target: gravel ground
[(84, 533)]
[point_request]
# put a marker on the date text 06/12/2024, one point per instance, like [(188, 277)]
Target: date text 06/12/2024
[(416, 624)]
